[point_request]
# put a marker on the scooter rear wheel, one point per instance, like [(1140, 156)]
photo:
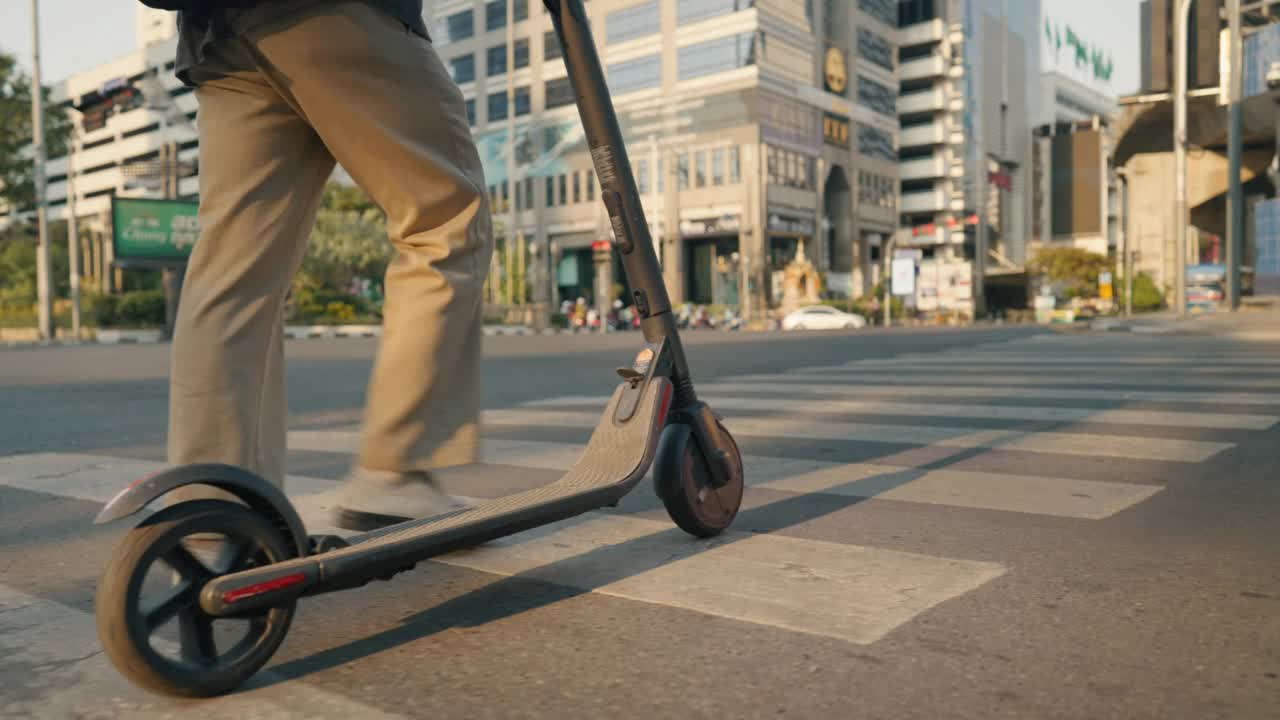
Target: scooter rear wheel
[(682, 480), (209, 656)]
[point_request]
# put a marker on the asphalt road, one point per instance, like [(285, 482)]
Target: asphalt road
[(965, 523)]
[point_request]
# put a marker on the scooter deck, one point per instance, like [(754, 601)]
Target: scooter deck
[(616, 458)]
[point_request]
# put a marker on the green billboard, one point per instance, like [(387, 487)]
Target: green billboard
[(147, 232)]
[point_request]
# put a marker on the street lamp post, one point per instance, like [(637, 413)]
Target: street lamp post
[(1235, 199), (1180, 155), (44, 285)]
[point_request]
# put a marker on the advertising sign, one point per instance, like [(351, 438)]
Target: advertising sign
[(904, 276), (154, 233), (1104, 285)]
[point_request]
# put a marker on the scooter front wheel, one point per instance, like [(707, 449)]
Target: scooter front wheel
[(682, 480), (148, 612)]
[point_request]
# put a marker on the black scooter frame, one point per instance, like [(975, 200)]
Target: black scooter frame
[(656, 390)]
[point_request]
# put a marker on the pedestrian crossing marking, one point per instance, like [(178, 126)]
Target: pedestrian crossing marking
[(70, 677), (1064, 443), (978, 392), (890, 376), (863, 593), (1222, 421), (1059, 497)]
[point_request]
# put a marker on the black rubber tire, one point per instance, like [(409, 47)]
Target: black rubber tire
[(121, 627), (680, 476)]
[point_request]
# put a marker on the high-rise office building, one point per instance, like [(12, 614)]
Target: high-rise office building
[(760, 132), (969, 94)]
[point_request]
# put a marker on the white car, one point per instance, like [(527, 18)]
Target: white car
[(822, 317)]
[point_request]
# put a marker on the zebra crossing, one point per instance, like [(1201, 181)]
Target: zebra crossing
[(1190, 410)]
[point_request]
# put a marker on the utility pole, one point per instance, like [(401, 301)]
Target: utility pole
[(1180, 155), (44, 287), (1235, 199), (886, 259), (73, 234)]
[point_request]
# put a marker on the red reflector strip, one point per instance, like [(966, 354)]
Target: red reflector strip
[(666, 404), (239, 594)]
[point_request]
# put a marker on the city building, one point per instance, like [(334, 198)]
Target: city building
[(1074, 193), (762, 133), (117, 153), (968, 98), (1144, 139)]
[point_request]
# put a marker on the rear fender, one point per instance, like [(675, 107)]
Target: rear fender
[(254, 491)]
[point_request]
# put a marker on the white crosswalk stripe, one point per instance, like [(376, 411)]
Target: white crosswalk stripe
[(1088, 444), (853, 593), (1062, 497), (798, 389), (1226, 421), (847, 374)]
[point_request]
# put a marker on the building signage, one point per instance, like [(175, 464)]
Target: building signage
[(904, 276), (835, 71), (835, 130), (718, 225), (153, 232), (790, 224)]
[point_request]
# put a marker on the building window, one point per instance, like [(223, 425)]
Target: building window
[(790, 169), (559, 92), (523, 101), (682, 171), (638, 74), (882, 10), (519, 196), (874, 142), (471, 111), (634, 22), (497, 106), (910, 12), (717, 166), (460, 26), (642, 175), (496, 60), (551, 46), (495, 13), (875, 49), (875, 190), (719, 55), (577, 187), (528, 193), (877, 97), (700, 168), (689, 11), (735, 167), (564, 186), (522, 53), (551, 190), (591, 185), (464, 68)]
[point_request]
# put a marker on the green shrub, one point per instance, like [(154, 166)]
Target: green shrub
[(1146, 295), (140, 308)]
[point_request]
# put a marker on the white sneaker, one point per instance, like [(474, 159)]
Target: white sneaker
[(373, 499)]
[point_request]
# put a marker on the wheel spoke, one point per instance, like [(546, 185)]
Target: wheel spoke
[(196, 637), (186, 565), (179, 598), (233, 555)]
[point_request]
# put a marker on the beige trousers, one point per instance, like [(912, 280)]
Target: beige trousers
[(277, 107)]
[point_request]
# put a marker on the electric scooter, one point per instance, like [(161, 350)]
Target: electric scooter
[(267, 562)]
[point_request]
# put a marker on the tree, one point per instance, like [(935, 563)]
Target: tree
[(1073, 270), (17, 174)]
